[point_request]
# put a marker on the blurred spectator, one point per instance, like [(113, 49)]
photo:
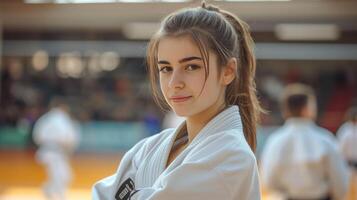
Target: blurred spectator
[(272, 86), (301, 160), (57, 136), (152, 120), (347, 135), (6, 82)]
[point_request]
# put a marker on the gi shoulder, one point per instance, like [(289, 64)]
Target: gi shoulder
[(228, 154), (344, 130), (226, 147), (276, 138), (326, 137)]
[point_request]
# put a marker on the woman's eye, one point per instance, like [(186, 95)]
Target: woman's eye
[(165, 69), (192, 67)]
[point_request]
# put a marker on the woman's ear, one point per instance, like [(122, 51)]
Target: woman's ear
[(229, 72)]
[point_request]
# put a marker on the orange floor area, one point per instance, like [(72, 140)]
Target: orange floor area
[(34, 193), (21, 177)]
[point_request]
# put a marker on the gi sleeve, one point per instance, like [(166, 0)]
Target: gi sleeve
[(106, 189)]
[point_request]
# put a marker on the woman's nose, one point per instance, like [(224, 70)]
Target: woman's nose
[(176, 80)]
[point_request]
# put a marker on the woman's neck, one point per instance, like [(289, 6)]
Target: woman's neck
[(194, 124)]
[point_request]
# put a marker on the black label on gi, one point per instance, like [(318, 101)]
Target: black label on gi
[(124, 190)]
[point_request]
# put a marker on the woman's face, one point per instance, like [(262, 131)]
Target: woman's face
[(182, 77)]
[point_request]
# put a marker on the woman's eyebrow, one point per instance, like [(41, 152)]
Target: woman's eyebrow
[(182, 60)]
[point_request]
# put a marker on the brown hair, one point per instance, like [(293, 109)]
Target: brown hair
[(295, 98), (228, 37)]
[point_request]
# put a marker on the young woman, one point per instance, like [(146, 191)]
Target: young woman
[(202, 60)]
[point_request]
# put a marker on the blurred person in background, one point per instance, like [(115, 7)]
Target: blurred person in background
[(301, 160), (57, 136), (347, 135), (202, 60)]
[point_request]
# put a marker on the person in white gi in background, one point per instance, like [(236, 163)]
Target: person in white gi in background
[(203, 60), (347, 136), (301, 160), (57, 136)]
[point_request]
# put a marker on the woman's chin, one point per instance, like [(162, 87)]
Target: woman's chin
[(181, 112)]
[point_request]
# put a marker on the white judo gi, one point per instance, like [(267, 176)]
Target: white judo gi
[(57, 136), (217, 164), (302, 161), (347, 136)]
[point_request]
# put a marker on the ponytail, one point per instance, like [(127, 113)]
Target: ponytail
[(242, 92)]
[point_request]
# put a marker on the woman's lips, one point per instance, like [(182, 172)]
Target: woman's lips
[(178, 99)]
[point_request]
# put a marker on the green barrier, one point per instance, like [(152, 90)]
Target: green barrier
[(11, 137), (111, 136), (94, 136)]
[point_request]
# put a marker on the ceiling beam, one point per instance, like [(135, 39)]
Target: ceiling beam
[(17, 15)]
